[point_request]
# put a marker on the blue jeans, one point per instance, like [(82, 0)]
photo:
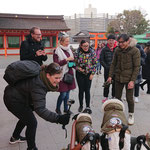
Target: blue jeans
[(64, 96), (98, 67)]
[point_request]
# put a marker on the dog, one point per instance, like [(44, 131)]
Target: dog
[(114, 127)]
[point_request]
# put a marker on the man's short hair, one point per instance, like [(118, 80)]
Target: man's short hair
[(111, 36), (33, 28), (125, 37)]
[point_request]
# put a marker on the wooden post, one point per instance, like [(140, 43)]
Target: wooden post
[(57, 40), (5, 44), (96, 39)]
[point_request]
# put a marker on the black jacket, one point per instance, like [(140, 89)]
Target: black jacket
[(106, 57), (30, 92), (146, 68), (28, 50)]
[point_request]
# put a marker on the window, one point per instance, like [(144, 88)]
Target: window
[(54, 41), (1, 42), (46, 41), (13, 41)]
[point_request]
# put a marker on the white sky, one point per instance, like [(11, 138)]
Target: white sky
[(70, 7)]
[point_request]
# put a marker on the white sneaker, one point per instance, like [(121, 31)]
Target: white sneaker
[(131, 119), (136, 99)]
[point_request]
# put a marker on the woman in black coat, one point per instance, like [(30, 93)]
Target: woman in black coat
[(146, 68), (32, 92)]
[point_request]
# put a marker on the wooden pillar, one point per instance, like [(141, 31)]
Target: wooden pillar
[(57, 40), (96, 41), (5, 45), (23, 37)]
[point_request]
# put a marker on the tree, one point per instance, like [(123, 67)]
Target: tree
[(130, 22)]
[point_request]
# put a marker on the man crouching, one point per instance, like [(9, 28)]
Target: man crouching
[(116, 134)]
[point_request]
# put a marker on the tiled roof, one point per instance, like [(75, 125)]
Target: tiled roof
[(18, 21)]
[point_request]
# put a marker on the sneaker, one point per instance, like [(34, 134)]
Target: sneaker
[(136, 100), (20, 140), (58, 111), (87, 110), (131, 119), (105, 99), (80, 108), (100, 72)]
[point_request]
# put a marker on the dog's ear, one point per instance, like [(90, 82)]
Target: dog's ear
[(75, 117)]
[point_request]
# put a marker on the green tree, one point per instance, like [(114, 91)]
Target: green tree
[(130, 22)]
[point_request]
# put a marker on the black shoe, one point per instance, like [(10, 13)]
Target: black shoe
[(58, 111), (80, 108), (32, 148), (142, 86), (68, 112), (87, 110), (19, 140)]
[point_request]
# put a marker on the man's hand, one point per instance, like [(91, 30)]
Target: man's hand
[(91, 76), (40, 53), (109, 79), (131, 85)]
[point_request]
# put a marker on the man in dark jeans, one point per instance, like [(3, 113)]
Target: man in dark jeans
[(106, 57), (32, 48)]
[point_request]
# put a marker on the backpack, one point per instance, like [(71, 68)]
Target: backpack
[(20, 70)]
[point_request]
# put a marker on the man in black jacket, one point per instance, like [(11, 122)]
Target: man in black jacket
[(106, 57), (32, 48)]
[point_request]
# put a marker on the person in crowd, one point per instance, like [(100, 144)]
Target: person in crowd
[(98, 52), (125, 66), (133, 43), (86, 63), (106, 57), (32, 91), (63, 55), (146, 68), (32, 48)]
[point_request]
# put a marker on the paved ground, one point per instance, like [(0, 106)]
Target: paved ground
[(51, 136)]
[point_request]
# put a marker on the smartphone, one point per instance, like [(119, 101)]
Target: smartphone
[(71, 64)]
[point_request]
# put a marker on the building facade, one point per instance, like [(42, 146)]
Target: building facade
[(15, 27)]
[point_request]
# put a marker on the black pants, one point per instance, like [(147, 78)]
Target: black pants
[(148, 86), (136, 90), (26, 118), (84, 85), (106, 90)]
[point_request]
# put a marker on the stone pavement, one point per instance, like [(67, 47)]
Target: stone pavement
[(50, 136)]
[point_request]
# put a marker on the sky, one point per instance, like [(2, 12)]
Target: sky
[(70, 7)]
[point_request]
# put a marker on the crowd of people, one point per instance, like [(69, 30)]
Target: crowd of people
[(124, 61)]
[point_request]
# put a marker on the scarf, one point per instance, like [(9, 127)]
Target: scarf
[(61, 56), (46, 82)]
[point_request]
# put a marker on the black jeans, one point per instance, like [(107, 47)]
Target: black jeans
[(136, 90), (26, 118), (84, 85), (106, 89)]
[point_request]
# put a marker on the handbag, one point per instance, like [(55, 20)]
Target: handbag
[(68, 78)]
